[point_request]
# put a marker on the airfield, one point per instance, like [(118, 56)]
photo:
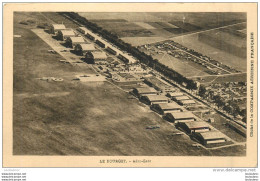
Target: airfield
[(71, 117)]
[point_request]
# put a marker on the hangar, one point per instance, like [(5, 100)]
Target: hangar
[(210, 137), (64, 34), (179, 98), (72, 41), (174, 94), (195, 126), (81, 49), (187, 102), (56, 27), (164, 108), (154, 99), (93, 57), (178, 117), (144, 91)]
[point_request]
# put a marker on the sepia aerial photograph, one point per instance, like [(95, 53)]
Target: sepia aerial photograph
[(129, 83)]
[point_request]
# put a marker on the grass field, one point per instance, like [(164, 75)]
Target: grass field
[(220, 79), (191, 41), (76, 118)]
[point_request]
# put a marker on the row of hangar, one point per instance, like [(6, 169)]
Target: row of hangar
[(182, 118), (83, 48)]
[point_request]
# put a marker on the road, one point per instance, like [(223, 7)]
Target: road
[(222, 75), (208, 30)]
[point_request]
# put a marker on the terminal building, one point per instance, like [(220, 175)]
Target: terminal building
[(64, 34), (179, 117), (210, 137), (194, 126), (72, 41), (94, 57), (164, 108), (153, 99), (142, 91), (56, 27)]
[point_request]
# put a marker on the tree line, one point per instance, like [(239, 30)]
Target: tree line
[(135, 52)]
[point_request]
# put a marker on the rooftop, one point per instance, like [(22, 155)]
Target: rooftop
[(67, 32), (171, 105), (77, 39), (156, 97), (196, 124), (87, 47), (212, 135), (142, 90), (99, 55), (59, 26), (182, 115), (190, 101), (175, 94), (179, 98)]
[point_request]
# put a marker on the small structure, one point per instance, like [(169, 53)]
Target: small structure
[(195, 126), (154, 99), (81, 49), (210, 137), (64, 34), (178, 117), (93, 57), (144, 91), (56, 27), (187, 102), (72, 41), (164, 108)]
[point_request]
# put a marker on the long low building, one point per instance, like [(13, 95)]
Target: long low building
[(164, 108), (94, 57), (144, 91), (111, 50), (178, 117), (195, 126), (127, 59), (210, 137), (64, 34), (72, 41), (81, 49), (83, 30), (154, 99)]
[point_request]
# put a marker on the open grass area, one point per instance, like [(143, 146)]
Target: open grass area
[(82, 118), (192, 42)]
